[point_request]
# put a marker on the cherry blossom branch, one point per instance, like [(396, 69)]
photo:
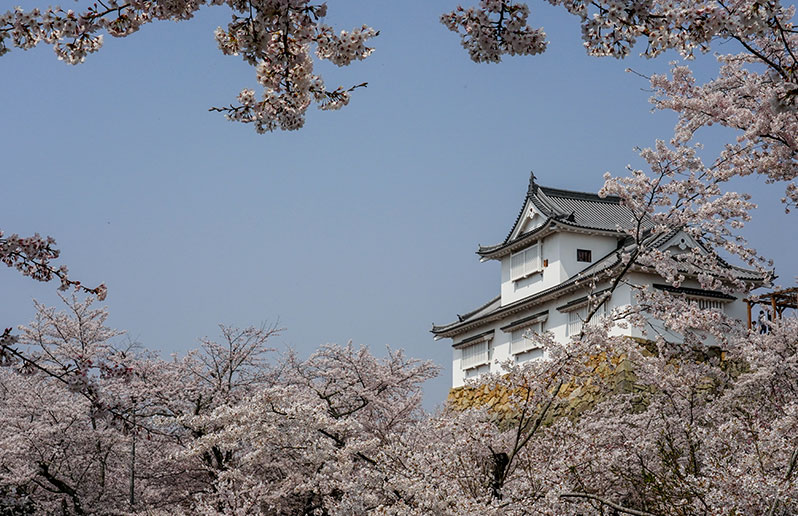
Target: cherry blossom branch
[(32, 256), (608, 503), (783, 37), (73, 380), (275, 38), (631, 259), (63, 487)]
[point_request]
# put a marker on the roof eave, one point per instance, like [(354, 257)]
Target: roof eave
[(499, 251), (571, 284), (754, 278)]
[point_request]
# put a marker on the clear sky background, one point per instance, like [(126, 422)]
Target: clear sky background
[(361, 226)]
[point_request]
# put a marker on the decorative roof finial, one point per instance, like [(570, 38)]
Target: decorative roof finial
[(533, 187)]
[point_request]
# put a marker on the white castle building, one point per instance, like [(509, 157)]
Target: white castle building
[(559, 242)]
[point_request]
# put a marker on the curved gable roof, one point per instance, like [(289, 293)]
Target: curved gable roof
[(567, 209)]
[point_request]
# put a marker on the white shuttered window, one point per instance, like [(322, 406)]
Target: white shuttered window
[(526, 262), (519, 343), (575, 321), (474, 355)]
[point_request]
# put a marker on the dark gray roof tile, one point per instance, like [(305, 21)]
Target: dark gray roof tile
[(689, 291)]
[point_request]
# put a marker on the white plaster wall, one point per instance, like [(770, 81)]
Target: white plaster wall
[(501, 349), (560, 251), (622, 298), (557, 321), (738, 309), (570, 242)]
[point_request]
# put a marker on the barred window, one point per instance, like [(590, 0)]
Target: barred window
[(576, 319), (707, 304)]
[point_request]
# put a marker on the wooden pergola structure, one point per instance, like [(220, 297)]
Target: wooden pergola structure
[(778, 301)]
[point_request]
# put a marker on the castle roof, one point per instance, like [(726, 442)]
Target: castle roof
[(563, 210)]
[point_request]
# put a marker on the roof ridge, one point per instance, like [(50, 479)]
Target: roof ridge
[(588, 196), (527, 197)]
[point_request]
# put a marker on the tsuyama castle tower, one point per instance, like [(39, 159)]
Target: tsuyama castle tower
[(557, 258)]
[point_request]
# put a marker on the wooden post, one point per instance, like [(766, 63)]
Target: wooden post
[(748, 304)]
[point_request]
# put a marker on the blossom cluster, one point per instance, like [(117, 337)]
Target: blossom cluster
[(32, 257), (495, 28), (612, 28), (278, 44), (344, 48), (73, 35), (762, 105)]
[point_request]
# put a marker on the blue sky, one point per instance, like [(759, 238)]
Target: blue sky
[(361, 226)]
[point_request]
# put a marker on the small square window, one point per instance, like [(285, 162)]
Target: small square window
[(584, 255)]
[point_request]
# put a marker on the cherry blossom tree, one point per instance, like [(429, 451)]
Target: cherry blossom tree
[(92, 424), (686, 431), (311, 442), (72, 404)]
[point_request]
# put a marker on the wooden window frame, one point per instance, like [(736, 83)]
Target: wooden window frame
[(584, 253)]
